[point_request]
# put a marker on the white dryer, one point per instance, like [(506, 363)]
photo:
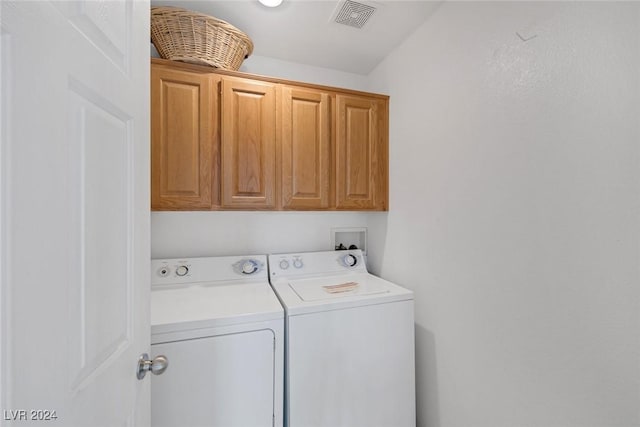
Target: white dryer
[(221, 328), (349, 353)]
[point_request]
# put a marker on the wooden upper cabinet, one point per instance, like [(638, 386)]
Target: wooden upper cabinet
[(361, 153), (226, 140), (182, 138), (248, 144), (304, 148)]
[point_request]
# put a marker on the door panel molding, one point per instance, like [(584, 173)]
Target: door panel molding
[(105, 297), (98, 22)]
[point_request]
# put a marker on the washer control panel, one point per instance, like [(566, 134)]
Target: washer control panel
[(289, 265)]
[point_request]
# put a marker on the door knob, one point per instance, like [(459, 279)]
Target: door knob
[(156, 366)]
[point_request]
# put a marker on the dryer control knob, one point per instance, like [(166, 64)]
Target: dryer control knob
[(182, 270), (249, 267), (297, 263), (284, 264), (350, 260)]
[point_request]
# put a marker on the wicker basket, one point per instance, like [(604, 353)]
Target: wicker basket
[(183, 35)]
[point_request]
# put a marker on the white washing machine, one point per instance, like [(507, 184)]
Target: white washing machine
[(349, 353), (221, 327)]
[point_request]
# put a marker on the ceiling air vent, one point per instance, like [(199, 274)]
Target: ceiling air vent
[(354, 14)]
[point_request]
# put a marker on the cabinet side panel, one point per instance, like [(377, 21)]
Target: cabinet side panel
[(381, 156)]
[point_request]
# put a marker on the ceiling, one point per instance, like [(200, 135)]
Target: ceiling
[(303, 31)]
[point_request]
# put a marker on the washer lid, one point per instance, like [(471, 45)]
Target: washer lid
[(179, 308), (323, 288), (335, 292)]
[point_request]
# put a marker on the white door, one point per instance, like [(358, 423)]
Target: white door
[(74, 212)]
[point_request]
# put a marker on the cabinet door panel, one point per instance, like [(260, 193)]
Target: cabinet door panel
[(361, 154), (248, 144), (182, 138), (306, 125)]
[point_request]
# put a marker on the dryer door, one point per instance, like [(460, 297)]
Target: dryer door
[(224, 380)]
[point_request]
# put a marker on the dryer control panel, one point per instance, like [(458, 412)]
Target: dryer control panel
[(176, 271)]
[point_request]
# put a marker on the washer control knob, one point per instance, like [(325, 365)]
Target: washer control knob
[(182, 270), (297, 263), (350, 260), (249, 267), (284, 264)]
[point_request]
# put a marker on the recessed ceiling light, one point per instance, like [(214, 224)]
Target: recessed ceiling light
[(271, 3)]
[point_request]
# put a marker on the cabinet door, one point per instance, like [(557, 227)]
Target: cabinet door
[(248, 144), (361, 153), (182, 139), (305, 145)]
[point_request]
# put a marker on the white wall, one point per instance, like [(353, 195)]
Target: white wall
[(272, 67), (515, 189), (304, 73), (191, 234)]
